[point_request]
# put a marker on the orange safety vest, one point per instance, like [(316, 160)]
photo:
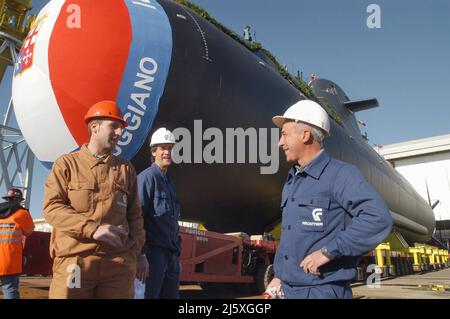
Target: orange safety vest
[(13, 228)]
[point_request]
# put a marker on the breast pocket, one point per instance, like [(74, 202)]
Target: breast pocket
[(313, 213), (162, 204), (80, 195), (120, 196)]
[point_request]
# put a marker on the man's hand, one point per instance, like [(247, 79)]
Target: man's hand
[(312, 262), (273, 290), (275, 283), (142, 268), (110, 235)]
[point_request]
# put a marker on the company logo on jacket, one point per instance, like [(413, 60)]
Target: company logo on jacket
[(316, 214)]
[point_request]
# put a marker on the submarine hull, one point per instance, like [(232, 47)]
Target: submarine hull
[(233, 89)]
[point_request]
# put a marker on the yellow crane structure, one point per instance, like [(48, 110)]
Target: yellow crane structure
[(15, 22)]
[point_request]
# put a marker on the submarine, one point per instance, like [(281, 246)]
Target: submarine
[(168, 64)]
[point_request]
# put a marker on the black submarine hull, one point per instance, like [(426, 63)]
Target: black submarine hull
[(216, 80)]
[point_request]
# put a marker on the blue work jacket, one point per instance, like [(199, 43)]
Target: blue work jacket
[(160, 209), (328, 204)]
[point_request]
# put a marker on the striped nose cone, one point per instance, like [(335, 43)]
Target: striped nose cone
[(81, 52)]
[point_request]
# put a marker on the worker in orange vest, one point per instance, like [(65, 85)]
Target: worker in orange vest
[(15, 222)]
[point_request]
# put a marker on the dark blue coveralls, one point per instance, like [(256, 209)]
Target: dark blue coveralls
[(161, 213), (327, 204)]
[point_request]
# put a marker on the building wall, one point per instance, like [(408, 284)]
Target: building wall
[(432, 170)]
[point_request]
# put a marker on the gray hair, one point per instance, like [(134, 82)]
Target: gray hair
[(317, 134), (153, 149)]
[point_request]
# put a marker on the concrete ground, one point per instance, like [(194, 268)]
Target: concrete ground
[(431, 285)]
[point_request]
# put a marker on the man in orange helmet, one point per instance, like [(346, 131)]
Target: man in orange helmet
[(15, 222), (91, 201)]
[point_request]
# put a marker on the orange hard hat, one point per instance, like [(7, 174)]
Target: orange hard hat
[(108, 109)]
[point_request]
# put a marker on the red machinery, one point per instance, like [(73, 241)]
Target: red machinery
[(206, 257), (36, 254), (210, 257)]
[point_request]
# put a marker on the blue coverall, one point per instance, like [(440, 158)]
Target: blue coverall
[(327, 204), (161, 213)]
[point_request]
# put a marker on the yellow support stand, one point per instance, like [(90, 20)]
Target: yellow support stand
[(425, 257), (429, 258), (417, 255), (433, 254), (399, 245), (380, 259), (385, 265), (438, 258), (388, 258), (442, 254)]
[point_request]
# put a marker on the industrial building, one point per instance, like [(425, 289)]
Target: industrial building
[(425, 163)]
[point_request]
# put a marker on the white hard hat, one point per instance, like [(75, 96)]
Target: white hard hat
[(162, 136), (306, 111)]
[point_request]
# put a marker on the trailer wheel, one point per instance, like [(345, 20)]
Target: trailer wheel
[(264, 275)]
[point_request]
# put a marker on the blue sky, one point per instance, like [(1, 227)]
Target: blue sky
[(405, 64)]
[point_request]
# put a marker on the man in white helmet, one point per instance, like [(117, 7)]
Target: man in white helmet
[(161, 213), (331, 215)]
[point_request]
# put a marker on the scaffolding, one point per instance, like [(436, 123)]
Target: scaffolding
[(16, 158)]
